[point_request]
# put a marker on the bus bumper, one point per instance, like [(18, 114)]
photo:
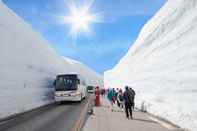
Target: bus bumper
[(65, 98)]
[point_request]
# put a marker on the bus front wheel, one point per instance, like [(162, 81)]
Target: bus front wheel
[(81, 97)]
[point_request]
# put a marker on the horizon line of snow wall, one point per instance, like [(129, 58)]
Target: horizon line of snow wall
[(162, 65), (28, 66)]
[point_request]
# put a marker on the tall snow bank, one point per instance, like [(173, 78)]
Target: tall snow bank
[(161, 65), (28, 66)]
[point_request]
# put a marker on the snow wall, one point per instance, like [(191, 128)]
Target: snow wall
[(162, 65), (28, 66)]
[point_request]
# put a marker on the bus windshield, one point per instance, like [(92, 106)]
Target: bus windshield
[(66, 83), (90, 88)]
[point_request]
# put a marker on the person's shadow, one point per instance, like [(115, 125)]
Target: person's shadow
[(143, 120)]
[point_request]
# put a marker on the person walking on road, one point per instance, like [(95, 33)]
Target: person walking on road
[(114, 96), (117, 91), (111, 97), (128, 102), (97, 94), (120, 99), (133, 97), (103, 92)]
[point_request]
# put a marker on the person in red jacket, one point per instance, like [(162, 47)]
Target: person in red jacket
[(97, 94)]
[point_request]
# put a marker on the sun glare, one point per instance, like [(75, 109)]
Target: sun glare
[(79, 19)]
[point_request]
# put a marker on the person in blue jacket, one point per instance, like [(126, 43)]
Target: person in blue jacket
[(111, 97)]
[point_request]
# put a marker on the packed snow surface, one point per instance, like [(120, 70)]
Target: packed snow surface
[(28, 66), (162, 65)]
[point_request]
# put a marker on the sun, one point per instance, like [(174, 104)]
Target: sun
[(80, 19)]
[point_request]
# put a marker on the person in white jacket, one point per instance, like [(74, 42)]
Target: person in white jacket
[(120, 98)]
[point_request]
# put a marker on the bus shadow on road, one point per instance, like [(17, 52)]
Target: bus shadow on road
[(143, 120), (68, 103)]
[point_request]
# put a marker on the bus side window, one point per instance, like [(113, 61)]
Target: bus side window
[(61, 80), (78, 81)]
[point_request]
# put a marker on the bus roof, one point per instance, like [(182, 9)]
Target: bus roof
[(63, 75)]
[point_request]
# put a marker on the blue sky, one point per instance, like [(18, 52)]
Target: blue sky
[(121, 22)]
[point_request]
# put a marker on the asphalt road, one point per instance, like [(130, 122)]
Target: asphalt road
[(56, 117)]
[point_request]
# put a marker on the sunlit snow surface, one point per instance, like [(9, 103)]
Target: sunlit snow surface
[(162, 64), (28, 66)]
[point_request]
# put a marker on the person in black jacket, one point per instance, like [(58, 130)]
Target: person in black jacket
[(128, 102), (133, 97)]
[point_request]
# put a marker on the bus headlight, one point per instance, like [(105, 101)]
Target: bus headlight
[(77, 93)]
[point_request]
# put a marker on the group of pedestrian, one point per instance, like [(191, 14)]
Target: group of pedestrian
[(124, 100)]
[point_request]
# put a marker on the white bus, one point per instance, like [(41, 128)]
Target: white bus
[(70, 87)]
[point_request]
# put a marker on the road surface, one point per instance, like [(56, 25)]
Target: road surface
[(57, 117)]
